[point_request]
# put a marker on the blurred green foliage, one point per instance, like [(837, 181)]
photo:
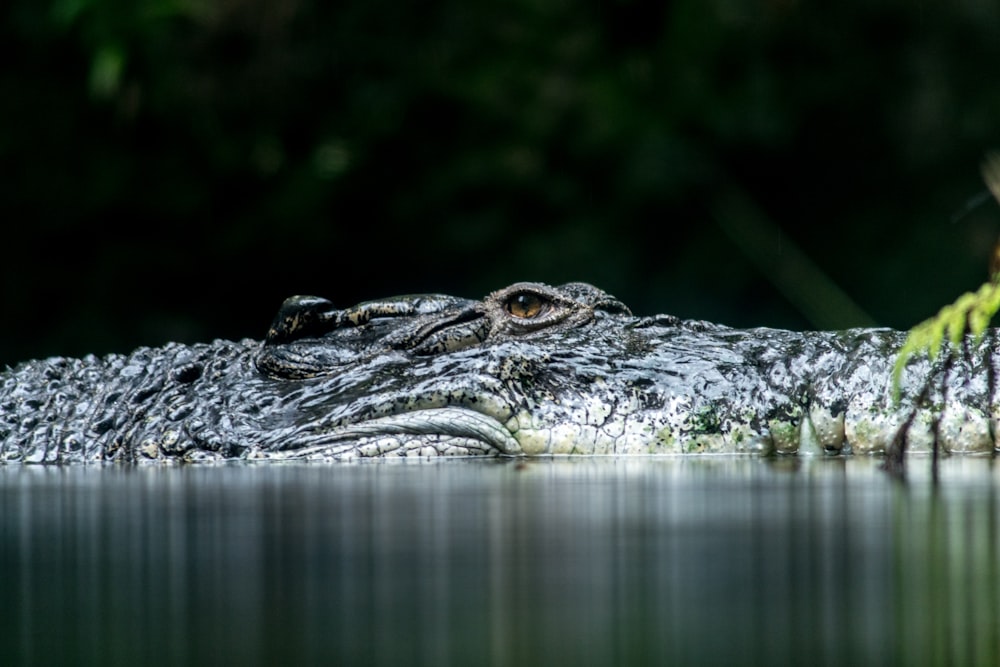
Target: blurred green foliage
[(174, 169)]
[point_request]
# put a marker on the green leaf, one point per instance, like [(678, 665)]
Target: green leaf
[(970, 314)]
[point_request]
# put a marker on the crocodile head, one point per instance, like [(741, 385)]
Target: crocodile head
[(533, 369), (516, 373)]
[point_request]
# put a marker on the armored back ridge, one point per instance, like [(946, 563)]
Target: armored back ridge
[(529, 370)]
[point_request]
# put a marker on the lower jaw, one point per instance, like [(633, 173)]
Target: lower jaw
[(440, 431), (383, 447)]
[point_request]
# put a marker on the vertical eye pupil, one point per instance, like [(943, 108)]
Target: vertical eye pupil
[(524, 305)]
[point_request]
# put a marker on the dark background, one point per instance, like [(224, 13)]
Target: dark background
[(172, 171)]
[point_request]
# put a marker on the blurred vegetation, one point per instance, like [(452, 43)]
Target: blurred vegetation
[(968, 316), (173, 169)]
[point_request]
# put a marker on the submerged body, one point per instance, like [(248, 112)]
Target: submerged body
[(529, 370)]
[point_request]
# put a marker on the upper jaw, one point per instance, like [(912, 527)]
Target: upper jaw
[(310, 338)]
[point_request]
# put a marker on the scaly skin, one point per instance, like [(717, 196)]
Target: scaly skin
[(530, 370)]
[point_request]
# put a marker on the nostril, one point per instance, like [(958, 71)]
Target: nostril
[(301, 317)]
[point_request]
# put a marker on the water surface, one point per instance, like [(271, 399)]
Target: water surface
[(599, 561)]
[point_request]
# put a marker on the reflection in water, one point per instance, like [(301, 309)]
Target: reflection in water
[(586, 561), (945, 554)]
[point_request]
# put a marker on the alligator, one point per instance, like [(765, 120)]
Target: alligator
[(529, 370)]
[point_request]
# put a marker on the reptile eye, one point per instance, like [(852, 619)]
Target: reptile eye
[(525, 305)]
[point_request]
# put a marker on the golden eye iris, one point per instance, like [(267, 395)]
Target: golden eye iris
[(524, 305)]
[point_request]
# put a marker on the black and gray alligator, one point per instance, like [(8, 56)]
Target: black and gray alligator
[(529, 370)]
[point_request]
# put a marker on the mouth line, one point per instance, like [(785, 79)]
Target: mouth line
[(448, 422), (445, 421)]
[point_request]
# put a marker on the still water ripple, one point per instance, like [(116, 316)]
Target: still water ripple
[(584, 561)]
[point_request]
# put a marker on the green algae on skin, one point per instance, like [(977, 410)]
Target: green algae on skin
[(785, 435)]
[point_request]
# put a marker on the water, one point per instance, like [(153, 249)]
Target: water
[(707, 561)]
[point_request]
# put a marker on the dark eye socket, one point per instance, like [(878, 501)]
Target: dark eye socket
[(525, 305)]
